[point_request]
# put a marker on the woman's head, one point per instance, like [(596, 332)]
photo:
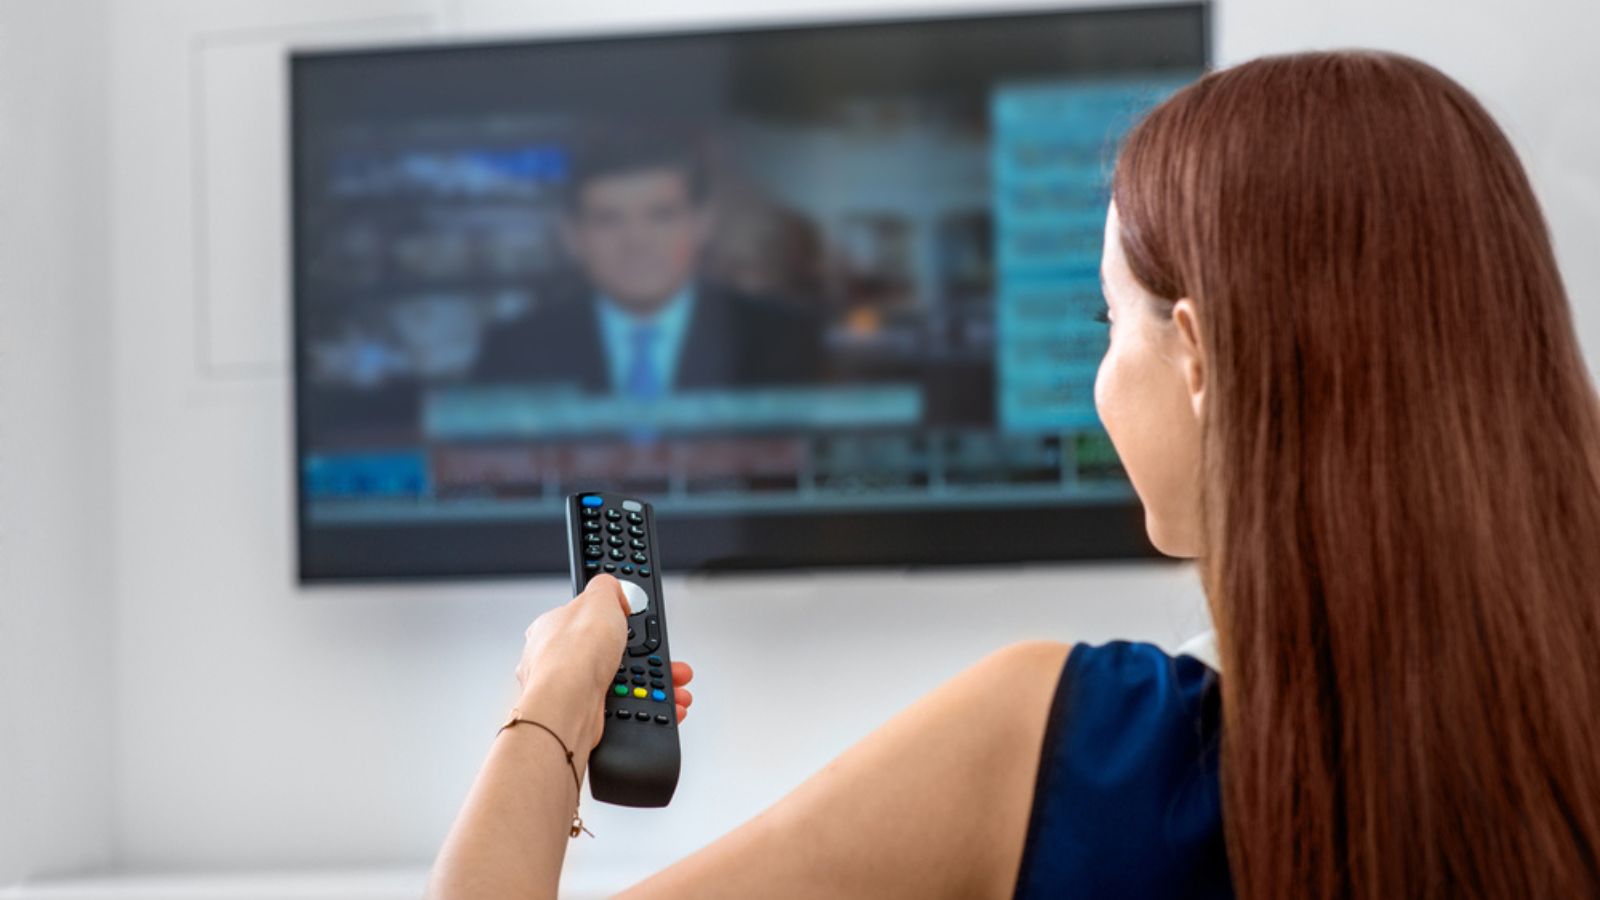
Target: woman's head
[(1343, 373)]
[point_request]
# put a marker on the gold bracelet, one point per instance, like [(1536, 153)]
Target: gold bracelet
[(516, 719)]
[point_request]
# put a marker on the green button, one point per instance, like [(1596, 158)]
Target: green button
[(620, 690)]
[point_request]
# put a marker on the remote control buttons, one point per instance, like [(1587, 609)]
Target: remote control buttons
[(592, 500), (593, 552), (591, 525), (635, 518), (658, 696), (624, 714), (654, 661), (641, 693), (644, 571), (617, 554), (661, 719), (620, 690), (611, 567), (614, 528), (613, 515), (638, 557)]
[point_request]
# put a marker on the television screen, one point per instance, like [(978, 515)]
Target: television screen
[(825, 295)]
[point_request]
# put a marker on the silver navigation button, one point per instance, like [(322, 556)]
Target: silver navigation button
[(638, 599)]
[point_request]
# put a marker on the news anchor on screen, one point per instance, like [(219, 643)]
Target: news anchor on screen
[(641, 321)]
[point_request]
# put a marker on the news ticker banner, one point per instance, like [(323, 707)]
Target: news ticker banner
[(523, 412)]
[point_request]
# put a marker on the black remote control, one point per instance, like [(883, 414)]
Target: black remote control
[(637, 760)]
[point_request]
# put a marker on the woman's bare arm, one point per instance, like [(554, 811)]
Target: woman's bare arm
[(511, 835), (935, 803)]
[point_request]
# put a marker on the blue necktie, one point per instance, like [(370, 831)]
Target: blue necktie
[(641, 380)]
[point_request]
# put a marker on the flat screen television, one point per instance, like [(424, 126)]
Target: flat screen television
[(824, 294)]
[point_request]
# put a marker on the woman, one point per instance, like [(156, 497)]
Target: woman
[(1341, 374)]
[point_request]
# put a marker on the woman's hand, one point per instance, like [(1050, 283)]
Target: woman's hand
[(576, 646)]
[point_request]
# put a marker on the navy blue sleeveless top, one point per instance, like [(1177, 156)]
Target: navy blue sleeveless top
[(1127, 802)]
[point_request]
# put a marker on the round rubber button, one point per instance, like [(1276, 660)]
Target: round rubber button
[(658, 696), (638, 599), (641, 693), (621, 690)]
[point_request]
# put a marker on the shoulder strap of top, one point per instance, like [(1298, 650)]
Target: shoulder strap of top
[(1203, 647)]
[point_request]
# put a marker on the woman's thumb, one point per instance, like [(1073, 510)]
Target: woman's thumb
[(607, 588)]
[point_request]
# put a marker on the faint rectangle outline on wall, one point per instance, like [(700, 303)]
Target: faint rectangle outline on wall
[(238, 124)]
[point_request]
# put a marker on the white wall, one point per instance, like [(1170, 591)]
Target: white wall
[(57, 700), (257, 725)]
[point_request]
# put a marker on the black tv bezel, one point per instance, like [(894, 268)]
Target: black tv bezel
[(1029, 534)]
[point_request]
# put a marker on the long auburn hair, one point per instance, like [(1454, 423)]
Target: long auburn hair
[(1401, 480)]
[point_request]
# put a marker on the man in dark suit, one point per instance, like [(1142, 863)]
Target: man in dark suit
[(641, 323)]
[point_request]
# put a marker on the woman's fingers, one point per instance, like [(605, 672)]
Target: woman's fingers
[(682, 674)]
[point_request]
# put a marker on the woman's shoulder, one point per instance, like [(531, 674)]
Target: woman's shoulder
[(1127, 800)]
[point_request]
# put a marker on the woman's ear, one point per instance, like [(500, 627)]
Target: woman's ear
[(1191, 356)]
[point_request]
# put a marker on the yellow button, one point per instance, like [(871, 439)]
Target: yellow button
[(641, 693)]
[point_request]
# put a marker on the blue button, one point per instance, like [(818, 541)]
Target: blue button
[(592, 500), (658, 695)]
